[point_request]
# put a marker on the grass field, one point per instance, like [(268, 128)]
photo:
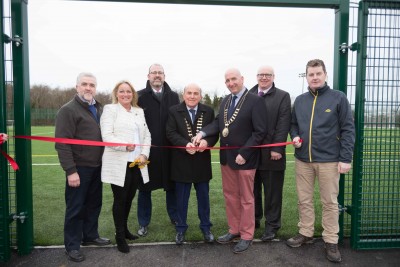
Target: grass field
[(49, 206)]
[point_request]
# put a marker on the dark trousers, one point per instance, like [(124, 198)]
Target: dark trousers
[(182, 192), (83, 206), (123, 197), (272, 182), (145, 206)]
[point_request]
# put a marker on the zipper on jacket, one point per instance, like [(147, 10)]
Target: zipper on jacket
[(311, 123)]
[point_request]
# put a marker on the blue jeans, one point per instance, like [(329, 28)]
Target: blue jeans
[(145, 206), (83, 206)]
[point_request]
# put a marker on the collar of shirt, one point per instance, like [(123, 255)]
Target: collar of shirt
[(155, 91), (90, 103), (195, 109), (264, 91), (239, 95)]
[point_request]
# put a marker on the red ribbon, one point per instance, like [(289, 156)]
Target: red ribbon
[(69, 141), (98, 143), (12, 162), (73, 141)]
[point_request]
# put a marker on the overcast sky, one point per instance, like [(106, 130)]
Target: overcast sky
[(194, 43)]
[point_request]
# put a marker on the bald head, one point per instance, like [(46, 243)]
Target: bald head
[(192, 95), (192, 86), (265, 77), (234, 71), (266, 69), (234, 80)]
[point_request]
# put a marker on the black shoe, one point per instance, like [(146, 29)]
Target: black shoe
[(208, 237), (242, 246), (257, 224), (122, 246), (268, 236), (75, 255), (179, 238), (130, 236), (227, 238), (100, 241)]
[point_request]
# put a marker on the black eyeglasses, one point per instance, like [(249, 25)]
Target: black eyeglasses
[(266, 75), (157, 72)]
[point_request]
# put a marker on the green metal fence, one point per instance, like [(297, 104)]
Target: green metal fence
[(368, 70), (375, 201), (16, 214)]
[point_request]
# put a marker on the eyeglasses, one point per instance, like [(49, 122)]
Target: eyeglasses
[(266, 75), (157, 72)]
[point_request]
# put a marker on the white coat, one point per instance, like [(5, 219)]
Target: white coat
[(117, 126)]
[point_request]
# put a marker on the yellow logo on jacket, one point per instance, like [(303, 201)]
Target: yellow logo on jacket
[(328, 110)]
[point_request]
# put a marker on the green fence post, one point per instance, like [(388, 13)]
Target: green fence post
[(359, 119), (340, 76), (23, 152), (4, 208)]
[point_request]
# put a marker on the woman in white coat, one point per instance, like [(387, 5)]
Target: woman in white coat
[(124, 122)]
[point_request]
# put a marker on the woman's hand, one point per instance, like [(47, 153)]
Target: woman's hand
[(130, 148)]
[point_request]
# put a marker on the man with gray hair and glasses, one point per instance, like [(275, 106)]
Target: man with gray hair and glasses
[(156, 99), (271, 170)]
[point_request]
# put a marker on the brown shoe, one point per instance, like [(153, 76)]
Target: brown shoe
[(299, 240), (332, 252)]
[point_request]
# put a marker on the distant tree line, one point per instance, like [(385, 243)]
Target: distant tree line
[(46, 101)]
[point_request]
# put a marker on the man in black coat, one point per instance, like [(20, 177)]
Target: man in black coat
[(155, 100), (193, 164), (241, 124), (271, 170)]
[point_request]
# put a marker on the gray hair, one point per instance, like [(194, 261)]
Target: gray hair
[(156, 64), (192, 85), (85, 74)]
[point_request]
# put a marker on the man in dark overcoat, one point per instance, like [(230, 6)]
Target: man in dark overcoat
[(191, 165), (241, 124), (155, 100), (271, 170)]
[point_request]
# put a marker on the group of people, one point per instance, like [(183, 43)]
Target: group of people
[(320, 125)]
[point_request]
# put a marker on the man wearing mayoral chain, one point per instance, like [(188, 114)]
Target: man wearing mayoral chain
[(241, 124)]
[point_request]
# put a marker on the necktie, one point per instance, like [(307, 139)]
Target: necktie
[(193, 114), (232, 107), (261, 93), (93, 110), (159, 95)]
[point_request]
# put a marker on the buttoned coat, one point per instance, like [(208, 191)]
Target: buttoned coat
[(156, 114), (117, 126), (278, 106), (247, 130), (187, 168)]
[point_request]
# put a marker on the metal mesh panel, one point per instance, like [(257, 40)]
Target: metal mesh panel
[(8, 63), (351, 91), (378, 217)]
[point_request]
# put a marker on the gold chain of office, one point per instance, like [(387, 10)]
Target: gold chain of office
[(225, 131), (198, 126)]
